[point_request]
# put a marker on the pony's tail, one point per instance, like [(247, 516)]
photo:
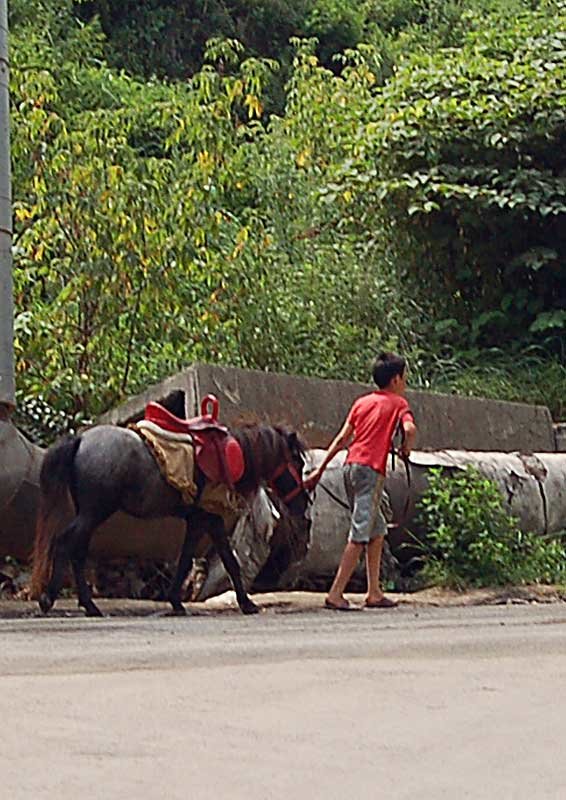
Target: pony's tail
[(55, 503)]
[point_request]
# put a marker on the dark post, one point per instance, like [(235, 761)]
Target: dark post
[(7, 383)]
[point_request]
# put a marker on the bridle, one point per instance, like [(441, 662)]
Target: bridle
[(282, 469)]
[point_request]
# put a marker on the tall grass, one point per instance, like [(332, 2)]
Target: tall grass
[(530, 376)]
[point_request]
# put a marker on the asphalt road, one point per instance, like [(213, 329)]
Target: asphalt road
[(411, 703)]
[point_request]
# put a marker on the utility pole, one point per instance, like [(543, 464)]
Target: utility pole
[(7, 382)]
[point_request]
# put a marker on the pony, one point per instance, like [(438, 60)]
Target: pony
[(108, 468)]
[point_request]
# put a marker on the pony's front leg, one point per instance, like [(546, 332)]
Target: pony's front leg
[(231, 566), (183, 567)]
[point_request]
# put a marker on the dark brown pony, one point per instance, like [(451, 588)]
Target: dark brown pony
[(109, 469)]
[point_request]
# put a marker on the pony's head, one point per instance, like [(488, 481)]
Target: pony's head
[(286, 483), (276, 457)]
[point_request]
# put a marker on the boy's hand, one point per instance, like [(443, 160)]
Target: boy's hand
[(313, 479), (410, 431)]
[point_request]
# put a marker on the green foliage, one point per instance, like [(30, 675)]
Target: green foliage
[(408, 197), (467, 144), (472, 541), (175, 34), (163, 225)]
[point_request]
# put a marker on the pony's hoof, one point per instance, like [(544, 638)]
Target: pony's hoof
[(250, 608), (45, 603), (92, 611), (179, 611)]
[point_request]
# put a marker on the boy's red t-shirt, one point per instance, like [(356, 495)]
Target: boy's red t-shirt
[(375, 418)]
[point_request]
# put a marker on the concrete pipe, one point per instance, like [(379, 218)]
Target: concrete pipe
[(251, 544), (20, 462), (533, 487)]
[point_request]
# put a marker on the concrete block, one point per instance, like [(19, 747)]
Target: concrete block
[(133, 408), (560, 437), (317, 408)]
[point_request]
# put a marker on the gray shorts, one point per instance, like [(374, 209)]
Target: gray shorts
[(364, 487)]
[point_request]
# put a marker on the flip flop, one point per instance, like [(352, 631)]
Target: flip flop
[(333, 607), (385, 602)]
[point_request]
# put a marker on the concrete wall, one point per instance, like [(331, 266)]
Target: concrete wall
[(317, 408)]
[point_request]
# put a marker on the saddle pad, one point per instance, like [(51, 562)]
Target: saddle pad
[(217, 498), (162, 433), (175, 457)]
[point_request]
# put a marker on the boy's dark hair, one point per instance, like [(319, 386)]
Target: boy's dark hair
[(386, 366)]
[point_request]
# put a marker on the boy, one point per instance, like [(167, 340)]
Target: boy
[(368, 432)]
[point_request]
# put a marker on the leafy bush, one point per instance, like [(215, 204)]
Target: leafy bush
[(40, 422), (160, 223), (467, 143), (472, 541), (176, 33)]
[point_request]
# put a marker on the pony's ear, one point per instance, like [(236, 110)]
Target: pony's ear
[(294, 443)]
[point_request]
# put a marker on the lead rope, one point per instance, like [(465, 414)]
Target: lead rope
[(331, 494), (405, 511)]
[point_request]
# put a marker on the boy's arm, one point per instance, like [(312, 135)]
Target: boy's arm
[(340, 441), (410, 431)]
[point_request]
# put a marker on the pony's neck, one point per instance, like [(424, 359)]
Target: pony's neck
[(264, 450)]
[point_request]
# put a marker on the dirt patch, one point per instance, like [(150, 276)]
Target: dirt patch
[(294, 602), (514, 595)]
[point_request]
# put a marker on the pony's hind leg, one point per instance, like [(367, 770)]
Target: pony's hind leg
[(231, 566), (62, 547), (71, 544), (78, 544), (49, 596)]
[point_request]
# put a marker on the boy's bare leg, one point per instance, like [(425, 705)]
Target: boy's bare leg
[(373, 565), (348, 562)]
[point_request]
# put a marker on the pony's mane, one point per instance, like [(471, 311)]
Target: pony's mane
[(264, 447)]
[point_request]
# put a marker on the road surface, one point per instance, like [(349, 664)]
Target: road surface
[(412, 703)]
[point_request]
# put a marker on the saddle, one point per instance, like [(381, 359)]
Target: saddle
[(217, 453)]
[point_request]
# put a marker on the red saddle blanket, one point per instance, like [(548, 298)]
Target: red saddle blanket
[(218, 454)]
